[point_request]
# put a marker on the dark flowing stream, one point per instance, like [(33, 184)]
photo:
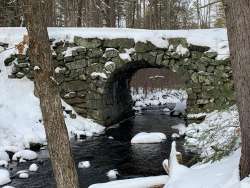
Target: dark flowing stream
[(105, 154)]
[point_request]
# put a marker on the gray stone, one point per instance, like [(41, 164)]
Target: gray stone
[(111, 52), (194, 77), (211, 55), (68, 59), (198, 48), (77, 64), (144, 47), (20, 75), (87, 43), (119, 43), (74, 86), (22, 65), (159, 58), (83, 77), (69, 95), (95, 53), (8, 61)]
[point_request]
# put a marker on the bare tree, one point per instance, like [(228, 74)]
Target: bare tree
[(238, 24), (35, 13)]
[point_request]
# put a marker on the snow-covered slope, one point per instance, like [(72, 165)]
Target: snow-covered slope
[(216, 39), (218, 135), (20, 115)]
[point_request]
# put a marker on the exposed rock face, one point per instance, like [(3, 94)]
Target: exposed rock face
[(94, 77)]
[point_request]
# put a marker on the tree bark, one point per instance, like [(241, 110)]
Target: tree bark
[(47, 90), (238, 24)]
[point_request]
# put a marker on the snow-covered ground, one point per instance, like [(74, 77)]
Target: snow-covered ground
[(218, 135), (168, 97), (133, 183)]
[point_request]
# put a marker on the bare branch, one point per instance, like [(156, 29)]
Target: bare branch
[(209, 4)]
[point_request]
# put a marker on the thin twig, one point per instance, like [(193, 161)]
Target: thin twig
[(209, 4)]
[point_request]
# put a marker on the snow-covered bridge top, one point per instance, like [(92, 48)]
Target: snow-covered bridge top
[(216, 39)]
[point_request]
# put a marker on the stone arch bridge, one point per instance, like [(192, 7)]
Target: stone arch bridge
[(94, 74)]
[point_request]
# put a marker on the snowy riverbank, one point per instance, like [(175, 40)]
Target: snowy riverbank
[(165, 97), (20, 115)]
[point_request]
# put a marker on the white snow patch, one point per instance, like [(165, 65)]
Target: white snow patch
[(33, 167), (180, 107), (181, 50), (126, 55), (21, 160), (144, 138), (69, 51), (36, 68), (4, 177), (84, 164), (23, 175), (25, 154), (112, 174), (4, 156), (220, 174), (160, 97), (134, 183), (59, 69), (3, 163), (181, 128), (196, 116), (98, 74), (175, 135)]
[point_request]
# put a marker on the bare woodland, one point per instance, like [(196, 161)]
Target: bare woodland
[(147, 14)]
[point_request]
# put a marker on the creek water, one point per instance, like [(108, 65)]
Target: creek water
[(105, 153)]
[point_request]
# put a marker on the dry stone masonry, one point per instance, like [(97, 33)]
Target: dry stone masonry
[(94, 74)]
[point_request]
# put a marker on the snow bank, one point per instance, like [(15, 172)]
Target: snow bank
[(4, 177), (24, 154), (20, 114), (4, 156), (217, 136), (181, 128), (147, 138), (216, 39), (133, 183), (159, 97), (220, 174)]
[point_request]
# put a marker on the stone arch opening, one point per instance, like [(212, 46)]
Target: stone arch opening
[(117, 97)]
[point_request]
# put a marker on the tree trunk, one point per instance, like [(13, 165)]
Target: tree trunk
[(47, 90), (79, 15), (238, 24)]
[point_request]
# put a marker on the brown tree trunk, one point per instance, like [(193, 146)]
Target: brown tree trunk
[(79, 15), (47, 90), (238, 24)]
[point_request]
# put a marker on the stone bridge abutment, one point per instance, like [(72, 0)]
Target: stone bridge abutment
[(93, 74)]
